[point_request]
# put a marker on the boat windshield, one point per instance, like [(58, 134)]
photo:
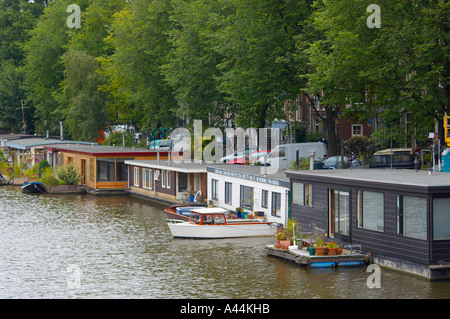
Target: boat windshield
[(213, 219)]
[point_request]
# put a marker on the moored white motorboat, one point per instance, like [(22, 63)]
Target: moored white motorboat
[(213, 223)]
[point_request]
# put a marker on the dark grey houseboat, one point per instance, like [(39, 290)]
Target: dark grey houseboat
[(401, 217)]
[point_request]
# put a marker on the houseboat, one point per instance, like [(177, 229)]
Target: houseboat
[(250, 189), (400, 216), (212, 223), (103, 167), (169, 181)]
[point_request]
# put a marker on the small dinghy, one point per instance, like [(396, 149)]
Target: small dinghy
[(33, 187)]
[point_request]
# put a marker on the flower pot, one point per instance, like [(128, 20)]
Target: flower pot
[(285, 244), (332, 251), (339, 251), (321, 251)]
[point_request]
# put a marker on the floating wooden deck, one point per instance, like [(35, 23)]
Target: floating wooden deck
[(302, 257)]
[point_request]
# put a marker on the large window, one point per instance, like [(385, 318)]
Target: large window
[(264, 198), (105, 170), (412, 216), (302, 194), (228, 192), (276, 204), (340, 213), (136, 176), (370, 210), (214, 184), (247, 197), (147, 178), (441, 218)]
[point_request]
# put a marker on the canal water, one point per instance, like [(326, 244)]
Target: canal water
[(83, 246)]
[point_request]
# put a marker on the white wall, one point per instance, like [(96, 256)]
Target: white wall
[(257, 194)]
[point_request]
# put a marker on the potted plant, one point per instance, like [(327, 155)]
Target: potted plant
[(331, 248), (339, 249), (320, 248), (282, 238)]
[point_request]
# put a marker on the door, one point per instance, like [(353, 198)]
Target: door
[(339, 217), (83, 171)]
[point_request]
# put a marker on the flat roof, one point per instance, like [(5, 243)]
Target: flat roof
[(95, 149), (406, 177), (24, 143), (249, 172), (172, 166)]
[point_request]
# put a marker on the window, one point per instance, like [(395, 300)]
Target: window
[(168, 179), (91, 169), (136, 176), (165, 179), (370, 210), (105, 170), (264, 200), (276, 204), (147, 178), (412, 216), (228, 190), (339, 213), (357, 129), (247, 197), (214, 183), (441, 218), (302, 194)]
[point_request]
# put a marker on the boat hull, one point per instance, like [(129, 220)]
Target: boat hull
[(33, 188), (180, 229)]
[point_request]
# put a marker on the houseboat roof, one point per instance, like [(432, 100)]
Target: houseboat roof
[(94, 149), (174, 165), (26, 142), (254, 173), (381, 177)]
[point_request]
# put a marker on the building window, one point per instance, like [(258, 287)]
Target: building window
[(276, 204), (136, 176), (264, 199), (91, 169), (247, 197), (412, 216), (214, 183), (167, 179), (340, 213), (357, 129), (370, 210), (228, 190), (441, 218), (302, 194), (147, 178), (105, 170)]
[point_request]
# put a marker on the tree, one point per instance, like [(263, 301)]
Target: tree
[(138, 90), (260, 71)]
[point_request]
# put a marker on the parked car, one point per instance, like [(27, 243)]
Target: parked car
[(240, 154), (160, 144), (284, 154), (334, 162), (250, 158)]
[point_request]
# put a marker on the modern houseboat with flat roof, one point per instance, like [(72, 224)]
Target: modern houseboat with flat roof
[(402, 217)]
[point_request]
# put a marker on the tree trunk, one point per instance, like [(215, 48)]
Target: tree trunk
[(331, 131)]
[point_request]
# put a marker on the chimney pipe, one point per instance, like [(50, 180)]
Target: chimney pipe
[(61, 134)]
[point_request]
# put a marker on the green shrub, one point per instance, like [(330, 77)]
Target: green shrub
[(49, 178), (69, 175)]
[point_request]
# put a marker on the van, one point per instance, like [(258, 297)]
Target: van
[(401, 158), (283, 155)]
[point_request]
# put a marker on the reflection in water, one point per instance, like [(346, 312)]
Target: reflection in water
[(122, 248)]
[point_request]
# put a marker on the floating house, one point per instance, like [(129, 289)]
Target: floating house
[(103, 167), (169, 181), (248, 187), (401, 217)]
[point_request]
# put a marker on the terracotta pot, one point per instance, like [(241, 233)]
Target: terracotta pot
[(332, 251), (285, 244), (321, 251), (339, 251)]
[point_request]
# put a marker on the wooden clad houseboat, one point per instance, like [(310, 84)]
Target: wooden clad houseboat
[(103, 167), (401, 217)]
